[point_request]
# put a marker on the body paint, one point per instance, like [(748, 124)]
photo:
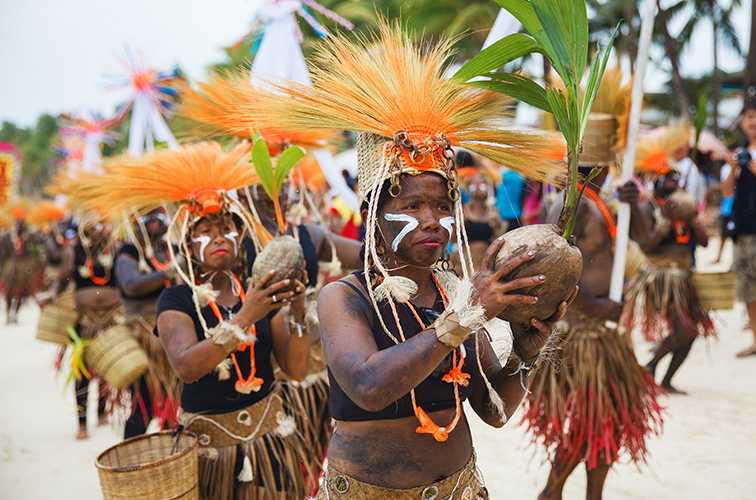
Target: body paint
[(203, 241), (410, 225), (232, 238), (447, 223)]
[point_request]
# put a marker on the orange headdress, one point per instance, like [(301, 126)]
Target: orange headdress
[(44, 213), (653, 151), (228, 105)]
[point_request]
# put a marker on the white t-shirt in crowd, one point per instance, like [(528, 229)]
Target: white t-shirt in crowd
[(691, 179)]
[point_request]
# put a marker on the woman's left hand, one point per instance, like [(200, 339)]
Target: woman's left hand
[(529, 342)]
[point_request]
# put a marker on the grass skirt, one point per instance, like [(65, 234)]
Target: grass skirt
[(465, 484), (161, 380), (23, 276), (660, 294), (599, 403), (252, 453)]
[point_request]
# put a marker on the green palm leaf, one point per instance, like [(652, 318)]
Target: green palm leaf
[(497, 55), (518, 87)]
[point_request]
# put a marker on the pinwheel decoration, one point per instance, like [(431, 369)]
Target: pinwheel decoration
[(150, 102), (92, 130)]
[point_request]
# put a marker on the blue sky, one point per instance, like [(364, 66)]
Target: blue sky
[(55, 53)]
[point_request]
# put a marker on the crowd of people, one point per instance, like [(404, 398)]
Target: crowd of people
[(318, 350)]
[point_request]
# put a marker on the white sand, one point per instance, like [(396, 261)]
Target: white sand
[(708, 449)]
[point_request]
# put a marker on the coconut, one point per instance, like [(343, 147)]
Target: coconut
[(682, 206), (283, 255), (560, 262)]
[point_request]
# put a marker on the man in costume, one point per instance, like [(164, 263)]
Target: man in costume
[(143, 270), (661, 299), (597, 401), (404, 339)]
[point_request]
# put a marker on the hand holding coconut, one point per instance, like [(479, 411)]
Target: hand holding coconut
[(266, 296)]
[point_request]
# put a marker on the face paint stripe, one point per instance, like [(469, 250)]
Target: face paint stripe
[(203, 241), (410, 225), (447, 223), (232, 237)]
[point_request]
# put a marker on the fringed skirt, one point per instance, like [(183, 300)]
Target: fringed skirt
[(256, 452), (465, 484), (308, 402), (23, 276), (161, 380), (660, 295), (599, 403)]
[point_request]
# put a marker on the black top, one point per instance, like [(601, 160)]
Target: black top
[(308, 249), (80, 260), (478, 231), (433, 394), (208, 394), (744, 207), (131, 250)]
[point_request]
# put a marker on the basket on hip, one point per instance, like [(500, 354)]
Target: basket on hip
[(117, 357), (55, 319), (715, 290), (150, 467)]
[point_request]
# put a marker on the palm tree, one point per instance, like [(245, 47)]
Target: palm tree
[(750, 73), (722, 29)]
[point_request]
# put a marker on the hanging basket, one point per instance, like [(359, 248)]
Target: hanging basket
[(117, 357), (716, 291), (55, 319), (150, 467)]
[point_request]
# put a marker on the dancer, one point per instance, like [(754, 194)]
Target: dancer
[(597, 402), (741, 183), (24, 265), (403, 339), (89, 263), (220, 338), (661, 298), (143, 270)]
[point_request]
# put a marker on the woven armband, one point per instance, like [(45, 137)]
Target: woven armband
[(448, 330), (227, 336)]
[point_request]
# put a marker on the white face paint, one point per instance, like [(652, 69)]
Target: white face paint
[(203, 241), (447, 223), (232, 238), (410, 225)]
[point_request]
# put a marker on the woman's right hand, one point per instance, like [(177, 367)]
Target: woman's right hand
[(267, 296), (496, 295)]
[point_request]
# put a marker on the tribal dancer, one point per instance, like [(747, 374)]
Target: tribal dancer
[(597, 401), (24, 259), (661, 298), (89, 263), (219, 337), (144, 270), (404, 340)]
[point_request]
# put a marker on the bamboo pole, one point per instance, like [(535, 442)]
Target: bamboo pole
[(628, 161)]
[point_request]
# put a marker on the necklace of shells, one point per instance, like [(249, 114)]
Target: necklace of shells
[(251, 383), (105, 259)]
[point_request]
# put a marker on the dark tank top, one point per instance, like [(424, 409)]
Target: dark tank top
[(433, 394), (478, 231), (208, 394), (80, 260), (131, 250), (308, 249)]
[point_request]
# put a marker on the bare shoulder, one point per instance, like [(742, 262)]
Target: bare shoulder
[(344, 300)]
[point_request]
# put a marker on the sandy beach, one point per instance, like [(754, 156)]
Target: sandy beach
[(707, 450)]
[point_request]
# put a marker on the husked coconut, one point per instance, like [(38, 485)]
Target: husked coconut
[(284, 256), (682, 206), (560, 262)]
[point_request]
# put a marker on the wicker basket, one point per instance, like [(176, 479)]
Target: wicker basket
[(715, 290), (151, 467), (55, 319), (117, 357)]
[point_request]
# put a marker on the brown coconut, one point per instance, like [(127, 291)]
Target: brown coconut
[(284, 256), (560, 262), (682, 206)]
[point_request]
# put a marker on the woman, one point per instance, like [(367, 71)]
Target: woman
[(393, 335), (219, 338), (89, 263)]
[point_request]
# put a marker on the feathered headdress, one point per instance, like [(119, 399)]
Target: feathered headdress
[(613, 99), (227, 104), (44, 213), (653, 151)]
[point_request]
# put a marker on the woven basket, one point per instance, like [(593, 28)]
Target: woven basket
[(55, 319), (715, 290), (635, 261), (117, 357), (598, 140), (150, 467)]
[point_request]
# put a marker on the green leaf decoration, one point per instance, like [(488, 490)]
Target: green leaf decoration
[(286, 161), (264, 167), (516, 86), (598, 67), (497, 55), (699, 119)]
